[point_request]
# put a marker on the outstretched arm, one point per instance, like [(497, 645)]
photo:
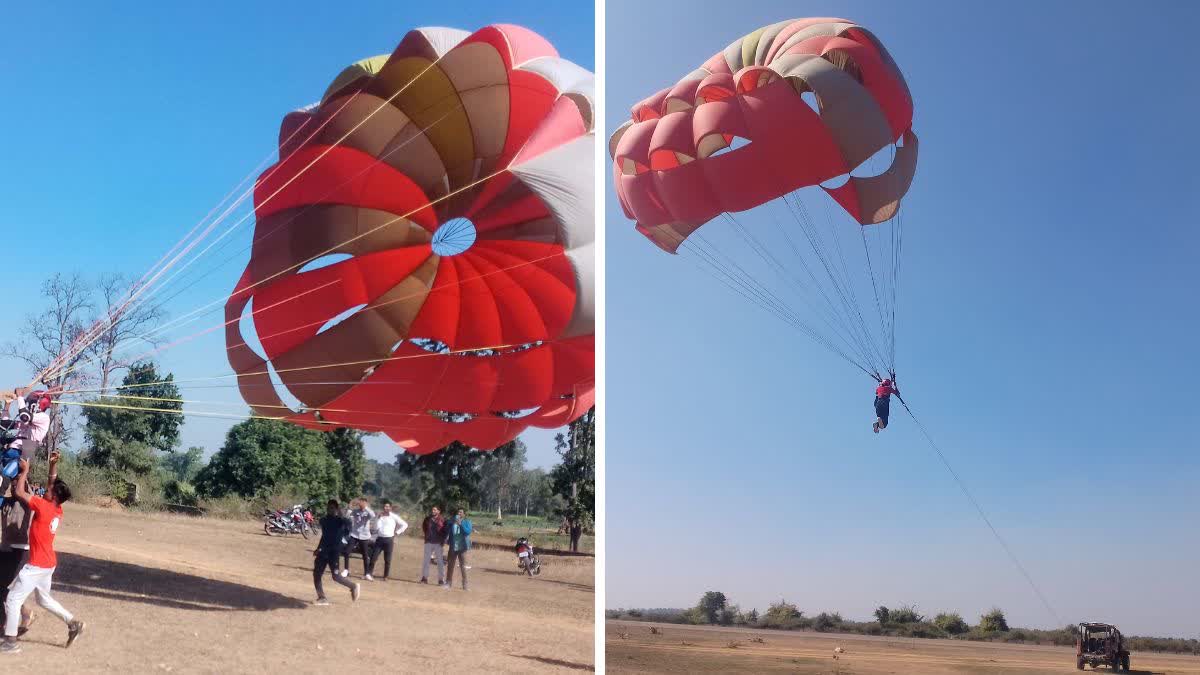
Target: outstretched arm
[(21, 485), (54, 457)]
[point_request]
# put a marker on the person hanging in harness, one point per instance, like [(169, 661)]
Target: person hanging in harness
[(23, 436), (883, 400)]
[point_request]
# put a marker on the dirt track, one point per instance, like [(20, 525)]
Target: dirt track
[(174, 594), (707, 650)]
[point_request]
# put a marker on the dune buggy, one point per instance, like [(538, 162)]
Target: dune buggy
[(1100, 644)]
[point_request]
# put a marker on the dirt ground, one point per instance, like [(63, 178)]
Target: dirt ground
[(163, 593), (707, 649)]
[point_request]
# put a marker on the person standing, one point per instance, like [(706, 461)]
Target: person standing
[(361, 516), (576, 533), (333, 529), (458, 536), (388, 526), (434, 529), (35, 577)]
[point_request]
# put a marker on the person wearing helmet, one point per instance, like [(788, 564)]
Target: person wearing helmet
[(883, 400)]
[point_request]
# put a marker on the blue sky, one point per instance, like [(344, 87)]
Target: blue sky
[(1046, 338), (124, 129)]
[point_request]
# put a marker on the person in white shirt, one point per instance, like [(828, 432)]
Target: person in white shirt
[(388, 526), (360, 536)]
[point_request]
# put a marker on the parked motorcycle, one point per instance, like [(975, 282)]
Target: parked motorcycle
[(527, 559), (296, 520)]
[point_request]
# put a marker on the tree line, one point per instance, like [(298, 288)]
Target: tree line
[(714, 608), (130, 445)]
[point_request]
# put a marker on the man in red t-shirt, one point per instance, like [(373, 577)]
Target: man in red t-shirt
[(883, 400), (35, 576)]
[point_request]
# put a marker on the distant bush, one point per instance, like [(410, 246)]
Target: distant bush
[(905, 614), (993, 621), (952, 623)]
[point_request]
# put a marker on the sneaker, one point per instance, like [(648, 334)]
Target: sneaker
[(345, 573), (445, 586), (368, 577), (466, 567), (24, 628), (321, 602), (355, 592), (8, 647), (423, 581), (875, 427), (74, 630)]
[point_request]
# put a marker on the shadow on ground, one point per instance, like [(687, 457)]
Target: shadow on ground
[(556, 662), (134, 583), (587, 588)]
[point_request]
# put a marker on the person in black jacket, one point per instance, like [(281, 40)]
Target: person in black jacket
[(333, 529)]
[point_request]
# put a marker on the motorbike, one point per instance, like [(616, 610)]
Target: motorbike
[(296, 520), (527, 559)]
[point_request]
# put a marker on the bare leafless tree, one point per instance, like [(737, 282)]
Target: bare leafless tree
[(48, 335), (125, 326)]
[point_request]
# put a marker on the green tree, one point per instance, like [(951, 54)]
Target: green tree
[(500, 475), (262, 457), (781, 615), (994, 621), (183, 466), (448, 478), (574, 479), (711, 605), (951, 622), (905, 614), (123, 433), (346, 446), (752, 617), (882, 615)]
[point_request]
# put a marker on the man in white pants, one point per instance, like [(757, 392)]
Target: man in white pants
[(434, 529), (36, 575)]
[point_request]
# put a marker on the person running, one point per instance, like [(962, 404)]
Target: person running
[(35, 577), (458, 535), (333, 529), (388, 526), (14, 516), (434, 529), (361, 516), (883, 400)]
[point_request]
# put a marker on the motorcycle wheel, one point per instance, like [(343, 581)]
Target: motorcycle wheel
[(267, 529), (305, 530)]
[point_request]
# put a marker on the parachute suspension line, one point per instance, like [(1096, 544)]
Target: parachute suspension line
[(983, 515), (745, 285), (323, 321), (84, 339), (95, 334), (767, 257), (862, 229), (196, 314), (806, 224)]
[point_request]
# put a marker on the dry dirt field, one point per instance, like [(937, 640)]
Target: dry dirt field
[(163, 593), (695, 649)]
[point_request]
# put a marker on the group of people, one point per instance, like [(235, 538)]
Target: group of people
[(360, 530), (28, 523)]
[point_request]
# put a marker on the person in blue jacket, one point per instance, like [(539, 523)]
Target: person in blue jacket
[(459, 538)]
